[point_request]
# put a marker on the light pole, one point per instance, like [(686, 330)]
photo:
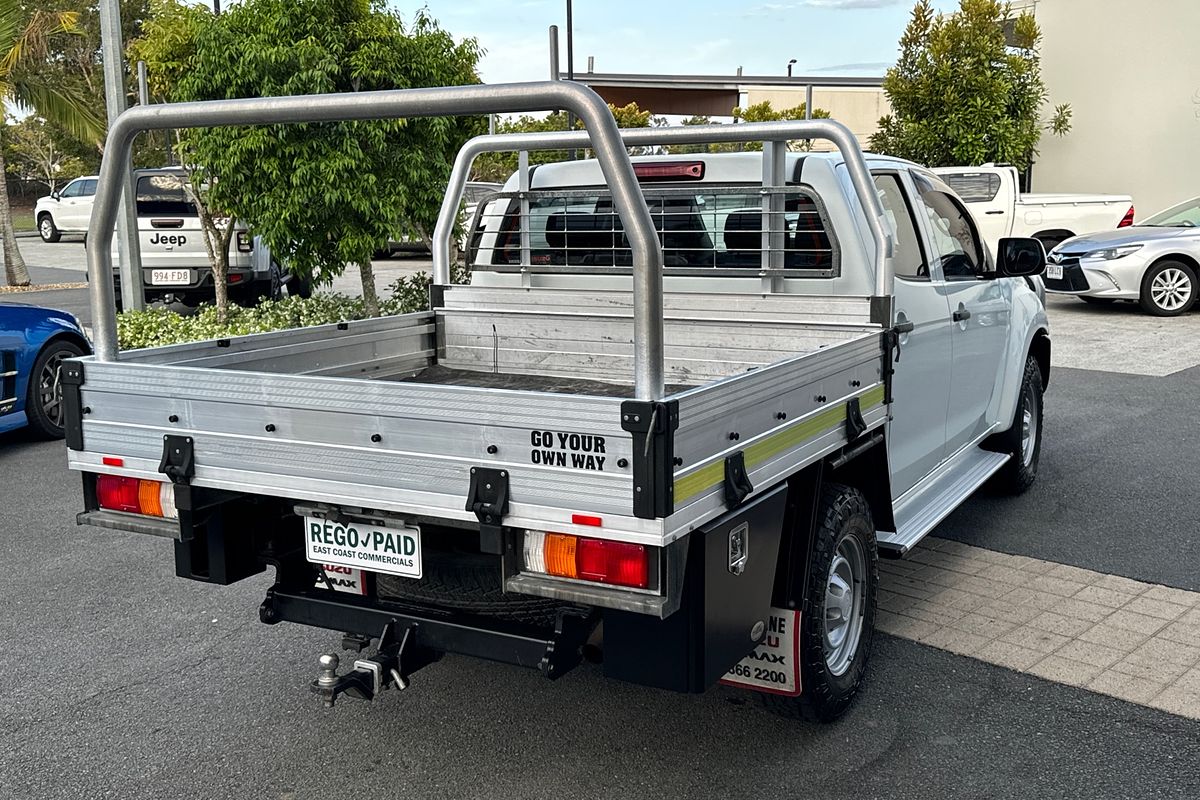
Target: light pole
[(793, 61), (570, 70)]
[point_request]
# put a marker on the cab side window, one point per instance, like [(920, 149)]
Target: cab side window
[(89, 188), (908, 260), (956, 243), (72, 189)]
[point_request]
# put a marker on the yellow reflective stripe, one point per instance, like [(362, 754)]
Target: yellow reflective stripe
[(708, 476)]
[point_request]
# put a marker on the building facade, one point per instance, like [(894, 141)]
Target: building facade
[(1131, 73)]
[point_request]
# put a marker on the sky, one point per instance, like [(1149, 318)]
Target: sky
[(707, 37)]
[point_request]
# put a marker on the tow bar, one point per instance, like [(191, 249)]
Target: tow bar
[(393, 664)]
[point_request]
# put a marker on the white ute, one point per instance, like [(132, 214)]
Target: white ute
[(993, 194), (671, 422)]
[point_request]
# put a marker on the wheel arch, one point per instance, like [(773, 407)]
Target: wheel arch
[(69, 336), (1177, 256), (1039, 348)]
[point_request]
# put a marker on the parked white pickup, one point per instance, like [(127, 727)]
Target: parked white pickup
[(994, 196)]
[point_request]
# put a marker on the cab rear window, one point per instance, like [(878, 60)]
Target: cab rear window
[(710, 229), (974, 187), (163, 195)]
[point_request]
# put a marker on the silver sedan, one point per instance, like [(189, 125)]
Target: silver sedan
[(1155, 262)]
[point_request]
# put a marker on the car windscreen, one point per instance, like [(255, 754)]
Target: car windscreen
[(1184, 215), (712, 228), (163, 195)]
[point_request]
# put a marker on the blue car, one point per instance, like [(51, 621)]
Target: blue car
[(33, 343)]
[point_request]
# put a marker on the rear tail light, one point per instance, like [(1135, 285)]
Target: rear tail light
[(134, 496), (588, 559), (243, 241), (1126, 220), (235, 278)]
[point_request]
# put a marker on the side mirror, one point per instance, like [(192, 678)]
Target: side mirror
[(54, 195), (1019, 258)]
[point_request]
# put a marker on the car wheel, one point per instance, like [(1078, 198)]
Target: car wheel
[(47, 229), (838, 621), (1023, 441), (1168, 289), (43, 404), (1097, 301)]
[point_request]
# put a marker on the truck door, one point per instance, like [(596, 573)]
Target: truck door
[(921, 386), (979, 311), (991, 197)]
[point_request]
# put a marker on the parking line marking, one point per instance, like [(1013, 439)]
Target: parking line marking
[(1135, 641)]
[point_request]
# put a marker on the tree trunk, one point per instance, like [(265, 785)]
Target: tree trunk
[(370, 297), (220, 265), (15, 273)]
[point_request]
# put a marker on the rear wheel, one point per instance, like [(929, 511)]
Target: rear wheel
[(838, 619), (47, 229), (1168, 289), (43, 404)]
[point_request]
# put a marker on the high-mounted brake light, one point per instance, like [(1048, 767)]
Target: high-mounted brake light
[(581, 557), (134, 496), (1126, 220), (671, 170)]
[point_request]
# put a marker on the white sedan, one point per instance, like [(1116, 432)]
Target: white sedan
[(1154, 262)]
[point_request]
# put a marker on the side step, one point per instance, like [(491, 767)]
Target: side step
[(920, 510)]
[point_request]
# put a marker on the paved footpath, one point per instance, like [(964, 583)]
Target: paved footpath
[(1135, 641)]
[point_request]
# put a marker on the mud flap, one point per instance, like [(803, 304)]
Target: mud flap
[(774, 666)]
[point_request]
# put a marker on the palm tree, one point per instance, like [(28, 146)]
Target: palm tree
[(24, 40)]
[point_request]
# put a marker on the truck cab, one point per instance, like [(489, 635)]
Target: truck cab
[(993, 192)]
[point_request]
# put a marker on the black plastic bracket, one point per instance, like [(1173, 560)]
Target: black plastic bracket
[(488, 500), (891, 356), (437, 296), (737, 482), (178, 459), (855, 425), (653, 424), (72, 399)]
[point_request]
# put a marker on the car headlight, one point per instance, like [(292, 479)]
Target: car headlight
[(1111, 253)]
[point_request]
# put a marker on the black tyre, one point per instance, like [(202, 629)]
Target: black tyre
[(301, 287), (838, 621), (1168, 289), (1097, 301), (1023, 441), (470, 583), (43, 402), (47, 229)]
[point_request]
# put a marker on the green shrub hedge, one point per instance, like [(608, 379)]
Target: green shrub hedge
[(159, 326)]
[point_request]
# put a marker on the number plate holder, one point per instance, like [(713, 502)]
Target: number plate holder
[(1054, 272)]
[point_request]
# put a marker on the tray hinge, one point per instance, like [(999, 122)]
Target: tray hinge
[(487, 499), (653, 424), (72, 400), (178, 459), (737, 482)]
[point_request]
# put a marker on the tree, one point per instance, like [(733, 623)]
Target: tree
[(32, 154), (320, 194), (758, 112), (963, 93), (25, 37), (498, 166)]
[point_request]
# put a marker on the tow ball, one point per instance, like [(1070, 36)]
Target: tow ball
[(397, 657)]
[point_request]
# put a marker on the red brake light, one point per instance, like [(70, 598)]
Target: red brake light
[(1126, 220), (235, 278), (150, 498), (658, 171), (117, 493), (613, 562)]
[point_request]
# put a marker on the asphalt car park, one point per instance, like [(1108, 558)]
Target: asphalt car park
[(132, 683)]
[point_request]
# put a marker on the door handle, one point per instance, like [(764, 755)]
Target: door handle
[(993, 212), (962, 315)]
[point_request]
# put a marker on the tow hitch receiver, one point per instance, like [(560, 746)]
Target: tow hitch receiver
[(394, 662)]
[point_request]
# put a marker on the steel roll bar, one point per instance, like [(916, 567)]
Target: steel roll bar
[(602, 133), (835, 132)]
